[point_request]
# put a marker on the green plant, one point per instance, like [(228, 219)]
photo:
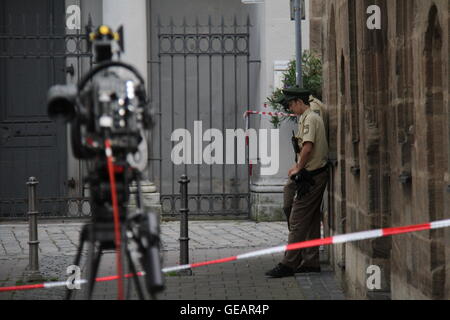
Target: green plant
[(312, 80)]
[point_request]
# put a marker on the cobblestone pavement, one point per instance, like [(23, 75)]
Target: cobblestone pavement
[(240, 280)]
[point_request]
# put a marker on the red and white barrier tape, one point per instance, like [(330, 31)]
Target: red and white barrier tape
[(351, 237), (319, 242), (271, 114)]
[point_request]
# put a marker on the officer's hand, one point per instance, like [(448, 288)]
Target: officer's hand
[(290, 171), (294, 170)]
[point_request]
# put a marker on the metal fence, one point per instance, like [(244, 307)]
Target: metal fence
[(48, 208), (200, 72)]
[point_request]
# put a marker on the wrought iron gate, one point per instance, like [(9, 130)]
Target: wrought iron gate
[(201, 73)]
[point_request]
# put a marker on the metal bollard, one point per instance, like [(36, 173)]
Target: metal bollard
[(184, 230), (32, 273)]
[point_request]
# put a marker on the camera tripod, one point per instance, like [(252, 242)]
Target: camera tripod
[(140, 227), (100, 237)]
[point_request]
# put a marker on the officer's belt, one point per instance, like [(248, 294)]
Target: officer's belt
[(318, 171)]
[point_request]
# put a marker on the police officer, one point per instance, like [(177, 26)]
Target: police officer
[(290, 188), (310, 174)]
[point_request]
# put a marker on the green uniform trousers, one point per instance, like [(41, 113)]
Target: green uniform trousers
[(304, 222)]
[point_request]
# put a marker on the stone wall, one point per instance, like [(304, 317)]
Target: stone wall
[(315, 25), (387, 94)]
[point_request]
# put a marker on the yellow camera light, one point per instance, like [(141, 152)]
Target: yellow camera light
[(104, 30)]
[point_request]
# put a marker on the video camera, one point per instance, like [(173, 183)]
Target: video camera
[(103, 104), (107, 106)]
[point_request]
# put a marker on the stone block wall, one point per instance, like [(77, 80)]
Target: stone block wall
[(387, 94), (315, 25)]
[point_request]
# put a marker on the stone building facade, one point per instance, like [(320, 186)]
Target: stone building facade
[(387, 93), (315, 25)]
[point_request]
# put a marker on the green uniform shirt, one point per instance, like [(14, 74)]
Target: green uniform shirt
[(312, 129)]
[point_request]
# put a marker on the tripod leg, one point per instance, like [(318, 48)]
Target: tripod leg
[(94, 262), (77, 262), (135, 277)]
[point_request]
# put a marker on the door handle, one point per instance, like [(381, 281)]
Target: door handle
[(69, 70)]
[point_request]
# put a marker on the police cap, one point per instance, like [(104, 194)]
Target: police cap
[(294, 93)]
